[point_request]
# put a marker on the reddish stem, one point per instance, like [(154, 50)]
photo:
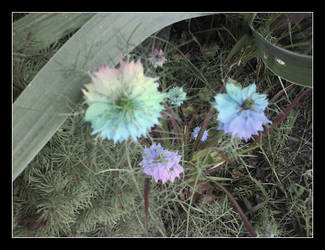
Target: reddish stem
[(174, 124), (247, 224), (281, 117)]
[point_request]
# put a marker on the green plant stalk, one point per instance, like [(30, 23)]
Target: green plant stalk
[(240, 44), (130, 166), (221, 162), (249, 18), (146, 200), (189, 206), (164, 127)]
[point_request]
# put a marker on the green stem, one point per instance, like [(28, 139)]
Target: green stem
[(223, 160), (146, 200), (163, 84), (189, 206), (130, 166)]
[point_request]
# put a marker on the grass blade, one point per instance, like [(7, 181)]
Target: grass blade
[(146, 200)]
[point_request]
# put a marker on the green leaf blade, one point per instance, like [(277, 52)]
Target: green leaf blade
[(43, 29), (291, 66)]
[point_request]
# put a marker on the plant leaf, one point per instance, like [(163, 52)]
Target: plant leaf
[(40, 30), (291, 66), (38, 111)]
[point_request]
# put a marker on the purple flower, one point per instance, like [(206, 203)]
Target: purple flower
[(241, 111), (161, 164), (196, 132), (157, 58)]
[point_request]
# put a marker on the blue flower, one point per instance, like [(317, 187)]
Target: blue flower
[(241, 111), (196, 132), (161, 164), (122, 102)]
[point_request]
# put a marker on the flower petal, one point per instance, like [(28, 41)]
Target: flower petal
[(248, 91), (161, 164), (235, 92), (226, 106), (108, 87), (239, 120)]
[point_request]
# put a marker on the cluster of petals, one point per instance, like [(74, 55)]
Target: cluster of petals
[(161, 164), (122, 102), (241, 111), (176, 96), (196, 132), (157, 58)]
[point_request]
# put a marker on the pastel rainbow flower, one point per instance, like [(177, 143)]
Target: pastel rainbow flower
[(122, 102)]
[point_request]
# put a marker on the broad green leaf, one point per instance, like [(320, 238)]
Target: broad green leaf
[(37, 31), (291, 66), (39, 111)]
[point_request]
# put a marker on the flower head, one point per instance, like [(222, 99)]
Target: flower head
[(122, 102), (241, 111), (157, 58), (176, 96), (196, 131), (161, 164)]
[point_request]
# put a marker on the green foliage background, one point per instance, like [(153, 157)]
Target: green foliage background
[(81, 186)]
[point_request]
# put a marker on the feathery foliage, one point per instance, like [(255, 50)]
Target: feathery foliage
[(81, 185)]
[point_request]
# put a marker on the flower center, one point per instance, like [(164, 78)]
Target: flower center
[(247, 104), (124, 103), (160, 158)]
